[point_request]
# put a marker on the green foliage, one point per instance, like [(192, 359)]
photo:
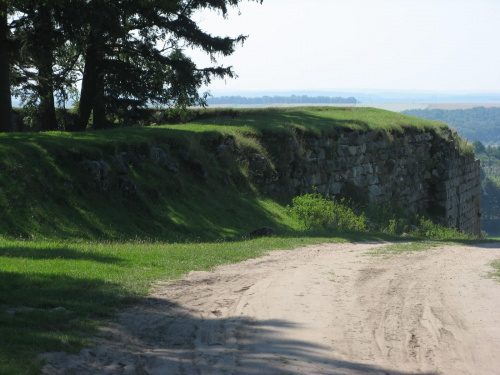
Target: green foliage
[(56, 198), (463, 146), (126, 55), (319, 212), (478, 147), (428, 229), (480, 123)]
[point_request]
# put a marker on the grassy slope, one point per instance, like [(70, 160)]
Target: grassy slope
[(74, 269), (45, 194)]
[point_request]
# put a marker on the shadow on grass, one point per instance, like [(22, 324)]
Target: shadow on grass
[(160, 336), (40, 312), (23, 250)]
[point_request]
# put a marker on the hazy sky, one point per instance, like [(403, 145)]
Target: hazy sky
[(436, 45)]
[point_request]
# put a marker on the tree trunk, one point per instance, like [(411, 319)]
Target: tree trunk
[(45, 63), (6, 120), (99, 116), (92, 75), (88, 91)]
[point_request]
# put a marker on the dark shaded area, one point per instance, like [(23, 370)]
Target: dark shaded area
[(40, 312), (164, 340), (45, 191), (59, 252)]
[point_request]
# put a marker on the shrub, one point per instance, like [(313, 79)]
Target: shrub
[(324, 212), (319, 212), (428, 229)]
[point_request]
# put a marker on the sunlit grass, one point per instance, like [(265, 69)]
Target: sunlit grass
[(84, 263), (54, 295), (415, 245)]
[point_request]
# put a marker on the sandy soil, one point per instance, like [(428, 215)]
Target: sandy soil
[(328, 309)]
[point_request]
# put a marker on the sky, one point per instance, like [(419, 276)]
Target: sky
[(349, 45)]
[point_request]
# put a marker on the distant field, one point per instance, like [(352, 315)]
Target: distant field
[(394, 107)]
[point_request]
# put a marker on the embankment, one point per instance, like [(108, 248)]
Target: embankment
[(228, 172)]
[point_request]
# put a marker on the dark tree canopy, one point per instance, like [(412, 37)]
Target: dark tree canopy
[(127, 54), (5, 95)]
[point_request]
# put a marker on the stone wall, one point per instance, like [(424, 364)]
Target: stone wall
[(417, 171), (414, 170)]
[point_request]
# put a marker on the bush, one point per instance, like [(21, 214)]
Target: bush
[(324, 212), (318, 212), (428, 229)]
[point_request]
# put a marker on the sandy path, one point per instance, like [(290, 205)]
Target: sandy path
[(327, 309)]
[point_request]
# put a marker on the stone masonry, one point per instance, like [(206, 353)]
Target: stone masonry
[(417, 171)]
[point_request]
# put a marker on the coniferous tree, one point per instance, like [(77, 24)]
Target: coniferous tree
[(134, 57), (44, 60), (128, 54), (6, 123)]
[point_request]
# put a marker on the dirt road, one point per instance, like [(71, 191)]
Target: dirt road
[(328, 309)]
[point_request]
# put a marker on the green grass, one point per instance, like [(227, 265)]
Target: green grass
[(413, 244), (405, 247), (46, 194), (70, 253), (53, 295), (319, 120)]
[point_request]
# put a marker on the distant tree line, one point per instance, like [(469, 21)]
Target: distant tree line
[(478, 123), (293, 99), (126, 55)]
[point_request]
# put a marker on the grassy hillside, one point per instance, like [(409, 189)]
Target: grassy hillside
[(47, 191), (76, 247)]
